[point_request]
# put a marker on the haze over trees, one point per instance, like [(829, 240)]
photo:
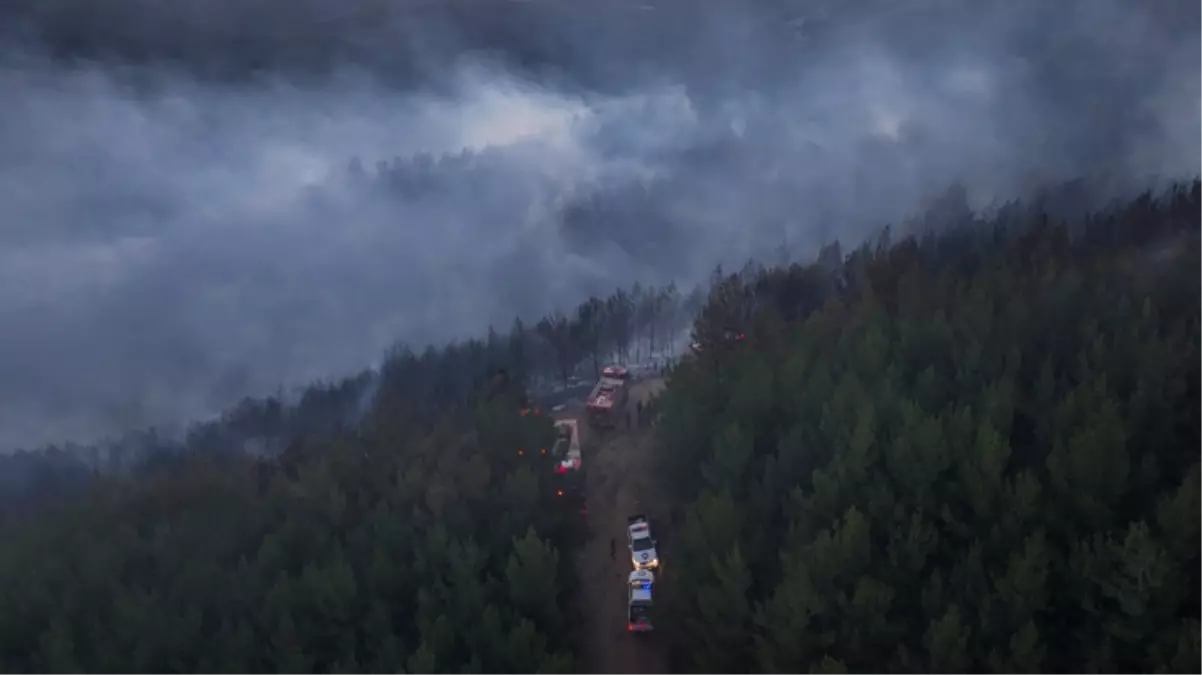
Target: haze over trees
[(968, 444), (967, 449), (642, 325), (172, 173)]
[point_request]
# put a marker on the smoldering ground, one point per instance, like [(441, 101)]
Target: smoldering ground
[(181, 225)]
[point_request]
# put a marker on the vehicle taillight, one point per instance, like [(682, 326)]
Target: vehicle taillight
[(559, 492), (521, 452), (542, 451), (630, 627)]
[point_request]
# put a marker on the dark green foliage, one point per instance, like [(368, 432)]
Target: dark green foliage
[(431, 554), (970, 451)]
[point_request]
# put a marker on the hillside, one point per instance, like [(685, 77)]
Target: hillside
[(556, 358), (403, 549), (982, 455), (973, 448)]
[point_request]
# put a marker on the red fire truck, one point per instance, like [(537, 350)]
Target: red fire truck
[(607, 402)]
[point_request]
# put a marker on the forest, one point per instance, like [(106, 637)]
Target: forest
[(980, 455), (970, 444), (370, 551), (642, 325)]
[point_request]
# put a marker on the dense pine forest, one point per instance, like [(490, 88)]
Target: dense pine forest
[(980, 455), (421, 544), (971, 444)]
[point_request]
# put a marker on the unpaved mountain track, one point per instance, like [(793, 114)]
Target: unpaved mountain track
[(615, 487)]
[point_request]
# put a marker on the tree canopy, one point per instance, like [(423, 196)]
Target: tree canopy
[(971, 445), (395, 550), (980, 454)]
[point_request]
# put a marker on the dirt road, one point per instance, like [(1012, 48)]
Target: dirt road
[(615, 487)]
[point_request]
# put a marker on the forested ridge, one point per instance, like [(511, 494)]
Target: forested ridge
[(557, 354), (414, 546), (975, 448), (983, 454)]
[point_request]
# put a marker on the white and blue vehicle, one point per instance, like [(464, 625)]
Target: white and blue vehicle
[(642, 546), (640, 598)]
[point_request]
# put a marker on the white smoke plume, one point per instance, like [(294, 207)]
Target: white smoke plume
[(177, 232)]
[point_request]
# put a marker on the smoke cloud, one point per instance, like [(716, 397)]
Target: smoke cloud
[(202, 201)]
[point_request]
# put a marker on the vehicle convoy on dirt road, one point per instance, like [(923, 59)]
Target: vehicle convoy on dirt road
[(607, 402), (641, 544), (639, 601), (618, 483)]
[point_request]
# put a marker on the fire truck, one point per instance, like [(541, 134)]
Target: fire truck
[(607, 402)]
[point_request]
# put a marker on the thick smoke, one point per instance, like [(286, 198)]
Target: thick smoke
[(207, 200)]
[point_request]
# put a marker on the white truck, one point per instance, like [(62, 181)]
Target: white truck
[(639, 600), (641, 543)]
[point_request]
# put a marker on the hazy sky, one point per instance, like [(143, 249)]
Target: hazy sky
[(176, 233)]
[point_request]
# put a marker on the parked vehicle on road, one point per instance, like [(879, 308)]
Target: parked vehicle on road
[(640, 597), (642, 545), (607, 402)]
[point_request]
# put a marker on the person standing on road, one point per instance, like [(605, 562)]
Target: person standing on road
[(613, 548)]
